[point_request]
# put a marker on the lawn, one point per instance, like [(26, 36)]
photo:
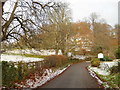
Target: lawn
[(28, 55)]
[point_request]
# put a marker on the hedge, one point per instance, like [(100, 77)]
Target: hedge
[(55, 61), (16, 72)]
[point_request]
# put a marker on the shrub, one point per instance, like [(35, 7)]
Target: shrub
[(73, 61), (102, 59), (50, 61), (106, 58), (61, 60), (95, 62), (117, 54), (88, 59), (114, 70), (118, 79), (9, 73), (15, 72), (55, 61)]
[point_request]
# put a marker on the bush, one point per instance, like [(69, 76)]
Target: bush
[(102, 59), (114, 70), (15, 72), (106, 58), (73, 61), (88, 59), (55, 61), (95, 62), (118, 79), (50, 61), (9, 74), (118, 53)]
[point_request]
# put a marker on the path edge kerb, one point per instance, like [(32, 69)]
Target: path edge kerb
[(57, 75), (101, 86)]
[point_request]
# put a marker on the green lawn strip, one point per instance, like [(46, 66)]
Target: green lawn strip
[(112, 80), (28, 55), (35, 56)]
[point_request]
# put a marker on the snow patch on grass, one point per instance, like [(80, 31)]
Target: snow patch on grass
[(111, 64), (103, 69), (16, 58), (79, 57), (99, 71)]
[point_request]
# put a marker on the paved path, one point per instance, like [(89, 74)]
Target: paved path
[(75, 77)]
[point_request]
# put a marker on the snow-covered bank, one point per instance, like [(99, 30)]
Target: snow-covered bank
[(40, 80), (16, 58), (99, 71), (110, 64), (102, 74), (103, 69)]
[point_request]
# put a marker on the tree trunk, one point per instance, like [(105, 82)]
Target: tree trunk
[(0, 22), (56, 51), (63, 52), (0, 39), (119, 23)]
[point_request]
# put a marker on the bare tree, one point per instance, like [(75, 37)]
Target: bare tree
[(59, 28), (25, 20), (102, 41)]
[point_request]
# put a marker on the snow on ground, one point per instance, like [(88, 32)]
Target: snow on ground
[(16, 58), (48, 75), (110, 64), (99, 71), (79, 57), (103, 69), (33, 51), (107, 65), (92, 73)]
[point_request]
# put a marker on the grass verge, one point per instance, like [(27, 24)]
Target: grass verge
[(112, 80), (29, 55)]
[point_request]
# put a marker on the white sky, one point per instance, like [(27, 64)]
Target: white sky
[(107, 9)]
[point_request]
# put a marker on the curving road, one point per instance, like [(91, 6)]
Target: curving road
[(76, 76)]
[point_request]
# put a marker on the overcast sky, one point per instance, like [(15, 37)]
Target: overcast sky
[(107, 9)]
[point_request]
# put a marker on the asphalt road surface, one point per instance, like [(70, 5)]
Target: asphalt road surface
[(76, 76)]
